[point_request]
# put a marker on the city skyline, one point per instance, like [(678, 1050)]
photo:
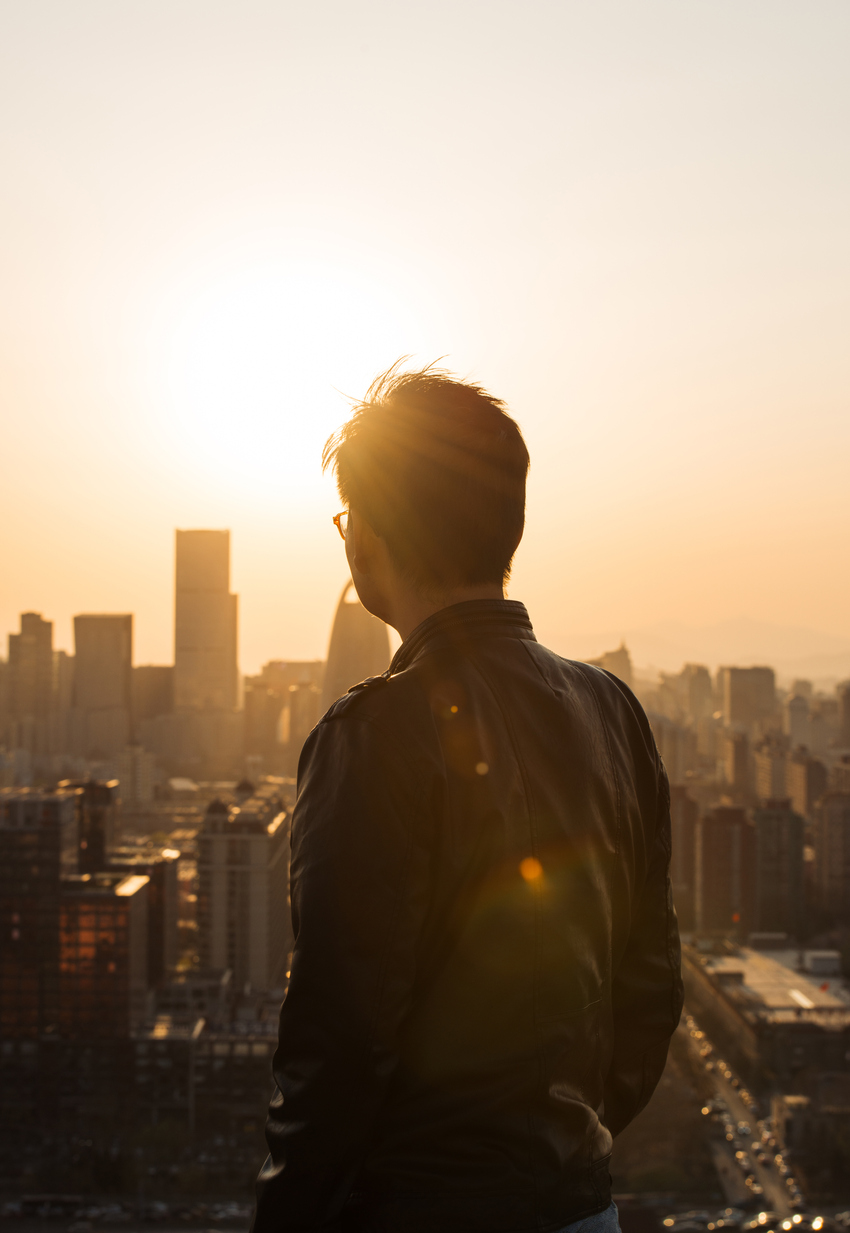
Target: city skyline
[(633, 229)]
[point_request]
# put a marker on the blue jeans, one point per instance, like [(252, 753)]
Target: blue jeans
[(603, 1222)]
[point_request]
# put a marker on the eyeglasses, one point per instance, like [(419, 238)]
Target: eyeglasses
[(341, 523)]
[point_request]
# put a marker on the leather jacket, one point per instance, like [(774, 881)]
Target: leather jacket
[(486, 970)]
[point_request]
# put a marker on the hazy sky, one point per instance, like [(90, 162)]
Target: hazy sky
[(628, 219)]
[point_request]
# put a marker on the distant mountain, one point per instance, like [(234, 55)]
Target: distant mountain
[(793, 651)]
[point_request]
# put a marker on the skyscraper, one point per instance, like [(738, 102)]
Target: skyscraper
[(832, 854), (30, 683), (684, 813), (359, 647), (749, 694), (103, 666), (725, 872), (779, 869), (205, 623)]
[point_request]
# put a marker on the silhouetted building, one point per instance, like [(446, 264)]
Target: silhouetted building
[(359, 648), (304, 714), (699, 691), (844, 714), (796, 720), (39, 844), (749, 695), (684, 813), (152, 691), (806, 780), (162, 906), (243, 911), (30, 688), (205, 623), (735, 762), (725, 872), (103, 963), (98, 808), (618, 662), (103, 664), (832, 854), (269, 723), (779, 869)]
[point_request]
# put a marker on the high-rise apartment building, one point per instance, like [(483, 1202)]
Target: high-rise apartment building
[(205, 623), (103, 963), (832, 855), (243, 910), (749, 695), (359, 647), (103, 665), (779, 903), (39, 845), (734, 759), (725, 872)]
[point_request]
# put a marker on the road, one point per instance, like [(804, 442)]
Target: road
[(775, 1197)]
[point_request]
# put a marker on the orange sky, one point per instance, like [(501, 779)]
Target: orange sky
[(629, 220)]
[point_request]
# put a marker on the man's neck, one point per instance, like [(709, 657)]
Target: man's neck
[(411, 609)]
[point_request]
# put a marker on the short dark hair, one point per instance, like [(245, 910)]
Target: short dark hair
[(438, 468)]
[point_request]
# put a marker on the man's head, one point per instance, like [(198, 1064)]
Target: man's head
[(437, 469)]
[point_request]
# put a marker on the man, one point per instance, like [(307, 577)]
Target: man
[(486, 965)]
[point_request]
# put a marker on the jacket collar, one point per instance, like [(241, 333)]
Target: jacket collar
[(464, 623)]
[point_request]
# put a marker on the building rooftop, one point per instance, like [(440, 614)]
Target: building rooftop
[(773, 991)]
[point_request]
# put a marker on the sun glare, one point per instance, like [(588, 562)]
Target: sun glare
[(253, 366)]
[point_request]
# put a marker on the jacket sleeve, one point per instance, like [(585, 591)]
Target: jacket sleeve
[(647, 986), (359, 890)]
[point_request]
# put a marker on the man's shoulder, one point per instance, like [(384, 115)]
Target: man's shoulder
[(385, 699)]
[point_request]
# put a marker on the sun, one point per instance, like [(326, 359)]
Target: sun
[(254, 363)]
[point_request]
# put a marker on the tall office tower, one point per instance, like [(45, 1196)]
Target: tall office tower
[(39, 844), (699, 692), (795, 720), (735, 763), (684, 813), (843, 692), (103, 962), (675, 745), (805, 781), (832, 854), (205, 613), (98, 809), (103, 666), (725, 872), (162, 910), (359, 647), (779, 869), (152, 691), (30, 684), (136, 770), (769, 758), (243, 912), (749, 695)]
